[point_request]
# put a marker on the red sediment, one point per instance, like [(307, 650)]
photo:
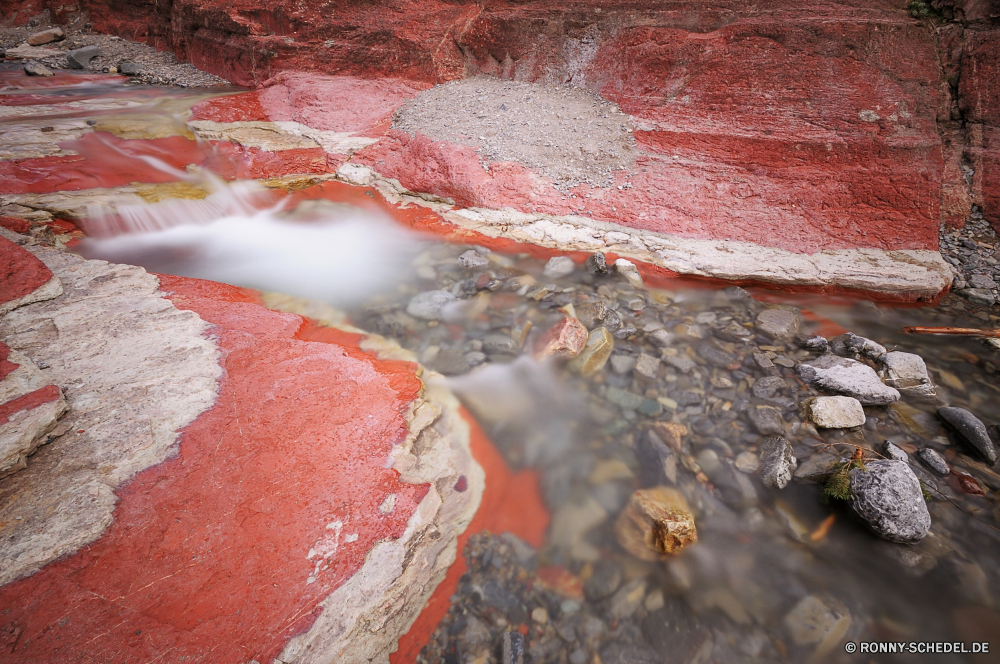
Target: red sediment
[(208, 551), (511, 503), (21, 273), (28, 401), (6, 366)]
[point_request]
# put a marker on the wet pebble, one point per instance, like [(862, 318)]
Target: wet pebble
[(559, 266), (971, 430), (847, 377), (597, 264), (933, 460), (836, 412)]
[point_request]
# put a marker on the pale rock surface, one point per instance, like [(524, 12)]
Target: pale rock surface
[(907, 373), (26, 429), (110, 338), (836, 412), (848, 377)]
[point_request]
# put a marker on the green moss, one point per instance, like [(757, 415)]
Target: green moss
[(927, 494), (838, 482), (923, 9)]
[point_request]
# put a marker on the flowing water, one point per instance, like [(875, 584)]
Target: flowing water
[(776, 574)]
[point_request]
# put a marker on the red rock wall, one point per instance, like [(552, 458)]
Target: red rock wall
[(854, 113)]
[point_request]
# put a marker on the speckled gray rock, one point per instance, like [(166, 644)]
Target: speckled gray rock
[(907, 373), (647, 365), (848, 377), (816, 344), (887, 495), (473, 260), (682, 364), (428, 305), (971, 430), (934, 461), (851, 345), (778, 323), (777, 462)]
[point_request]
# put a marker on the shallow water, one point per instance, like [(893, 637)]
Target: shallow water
[(743, 591)]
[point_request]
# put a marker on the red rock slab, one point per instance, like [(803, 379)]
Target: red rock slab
[(104, 160), (333, 103), (15, 79), (209, 553), (21, 273), (511, 503)]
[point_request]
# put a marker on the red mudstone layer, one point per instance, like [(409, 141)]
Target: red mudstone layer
[(6, 366), (28, 401), (979, 99), (21, 273), (208, 551)]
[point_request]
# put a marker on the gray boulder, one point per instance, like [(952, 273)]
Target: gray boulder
[(35, 68), (971, 430), (848, 377), (79, 58), (128, 68), (887, 495)]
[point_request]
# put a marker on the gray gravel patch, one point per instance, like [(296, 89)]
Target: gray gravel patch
[(570, 135)]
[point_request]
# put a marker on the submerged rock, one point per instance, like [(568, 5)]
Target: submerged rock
[(778, 323), (473, 260), (971, 430), (429, 305), (595, 353), (628, 270), (677, 634), (888, 496), (655, 522), (564, 339), (777, 462), (836, 412), (847, 377), (819, 620)]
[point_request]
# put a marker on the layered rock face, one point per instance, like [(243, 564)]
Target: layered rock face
[(794, 116)]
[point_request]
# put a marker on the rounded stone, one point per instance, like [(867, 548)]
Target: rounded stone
[(778, 323)]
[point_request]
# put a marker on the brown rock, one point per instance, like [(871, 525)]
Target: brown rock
[(46, 36), (671, 433), (595, 353), (656, 521), (564, 339)]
